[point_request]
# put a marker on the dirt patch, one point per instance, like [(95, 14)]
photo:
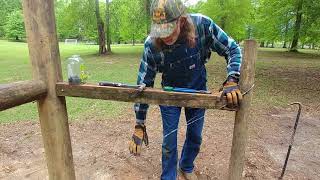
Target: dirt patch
[(100, 147), (304, 158)]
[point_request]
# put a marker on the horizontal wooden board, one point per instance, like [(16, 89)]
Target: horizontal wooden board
[(148, 96)]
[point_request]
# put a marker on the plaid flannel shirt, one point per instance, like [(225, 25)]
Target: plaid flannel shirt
[(220, 42)]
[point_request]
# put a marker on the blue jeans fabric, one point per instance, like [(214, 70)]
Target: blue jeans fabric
[(183, 67), (170, 121)]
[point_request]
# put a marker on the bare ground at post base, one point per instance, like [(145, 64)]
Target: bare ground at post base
[(100, 147)]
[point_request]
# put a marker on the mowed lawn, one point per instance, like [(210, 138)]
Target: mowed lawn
[(281, 78), (121, 66)]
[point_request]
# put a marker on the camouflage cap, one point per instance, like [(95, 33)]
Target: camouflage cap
[(164, 14)]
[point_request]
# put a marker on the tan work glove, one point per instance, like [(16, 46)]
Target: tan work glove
[(139, 136), (232, 92)]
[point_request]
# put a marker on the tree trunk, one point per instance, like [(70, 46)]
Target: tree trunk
[(272, 44), (262, 44), (267, 44), (101, 33), (108, 25), (249, 32), (285, 35), (284, 44), (294, 45), (133, 40)]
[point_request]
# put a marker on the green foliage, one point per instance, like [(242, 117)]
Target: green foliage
[(14, 28), (232, 16), (311, 23), (275, 20), (266, 20), (195, 8), (269, 28), (7, 7), (76, 19), (269, 21), (128, 20)]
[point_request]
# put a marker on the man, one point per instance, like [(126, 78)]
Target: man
[(179, 46)]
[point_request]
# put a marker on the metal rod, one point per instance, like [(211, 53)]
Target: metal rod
[(292, 139)]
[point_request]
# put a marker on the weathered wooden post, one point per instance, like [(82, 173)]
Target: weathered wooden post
[(45, 58), (240, 133)]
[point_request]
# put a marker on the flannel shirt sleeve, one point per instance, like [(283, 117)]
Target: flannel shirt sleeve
[(227, 47), (146, 75)]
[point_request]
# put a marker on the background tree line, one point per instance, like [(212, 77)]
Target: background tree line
[(286, 22)]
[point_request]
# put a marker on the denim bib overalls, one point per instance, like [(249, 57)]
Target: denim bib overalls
[(181, 66), (184, 67)]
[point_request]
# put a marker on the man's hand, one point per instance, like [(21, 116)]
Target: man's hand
[(139, 136), (232, 92)]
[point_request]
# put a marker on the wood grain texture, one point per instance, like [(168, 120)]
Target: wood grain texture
[(46, 66), (149, 95), (18, 93), (240, 132)]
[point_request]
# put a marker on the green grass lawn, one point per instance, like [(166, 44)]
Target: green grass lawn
[(121, 66), (281, 77)]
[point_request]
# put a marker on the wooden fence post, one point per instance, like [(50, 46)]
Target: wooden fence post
[(46, 66), (240, 133)]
